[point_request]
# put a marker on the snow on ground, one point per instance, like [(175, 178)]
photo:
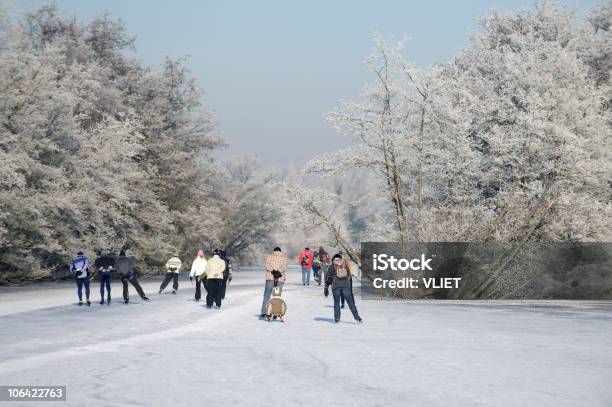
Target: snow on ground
[(173, 351)]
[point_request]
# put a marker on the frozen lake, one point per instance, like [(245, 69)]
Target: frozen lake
[(173, 351)]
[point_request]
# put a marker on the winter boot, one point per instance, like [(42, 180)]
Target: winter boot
[(126, 301), (146, 298), (80, 303), (88, 303), (173, 291), (102, 301), (160, 291), (108, 300)]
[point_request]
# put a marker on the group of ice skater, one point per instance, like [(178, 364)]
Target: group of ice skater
[(215, 273), (105, 265), (212, 274)]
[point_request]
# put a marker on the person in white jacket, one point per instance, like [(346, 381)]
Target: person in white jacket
[(173, 268), (214, 279), (198, 267)]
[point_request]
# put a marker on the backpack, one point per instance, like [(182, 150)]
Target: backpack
[(342, 272), (304, 259)]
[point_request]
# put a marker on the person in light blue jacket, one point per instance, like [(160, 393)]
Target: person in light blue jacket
[(80, 268)]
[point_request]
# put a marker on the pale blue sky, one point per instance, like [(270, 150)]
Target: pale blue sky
[(272, 69)]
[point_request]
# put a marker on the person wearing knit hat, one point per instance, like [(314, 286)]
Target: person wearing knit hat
[(198, 267), (105, 264), (127, 273)]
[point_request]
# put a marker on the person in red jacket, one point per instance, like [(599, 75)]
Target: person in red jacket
[(305, 260)]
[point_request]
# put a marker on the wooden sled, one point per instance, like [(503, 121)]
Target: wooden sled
[(277, 307)]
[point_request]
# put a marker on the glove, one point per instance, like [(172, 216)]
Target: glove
[(191, 278), (229, 278), (326, 291)]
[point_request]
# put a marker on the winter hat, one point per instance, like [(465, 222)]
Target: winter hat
[(80, 253), (277, 249), (216, 252), (200, 253), (337, 259)]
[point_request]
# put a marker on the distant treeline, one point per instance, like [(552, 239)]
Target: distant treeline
[(99, 151)]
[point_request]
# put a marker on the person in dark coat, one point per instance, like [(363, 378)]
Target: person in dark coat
[(125, 268), (338, 277), (321, 258), (105, 265), (227, 273)]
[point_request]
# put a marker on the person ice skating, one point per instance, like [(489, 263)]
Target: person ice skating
[(315, 265), (227, 273), (214, 277), (323, 255), (125, 269), (173, 268), (198, 267), (342, 297), (80, 268), (338, 276), (105, 264), (305, 260), (275, 262), (321, 260)]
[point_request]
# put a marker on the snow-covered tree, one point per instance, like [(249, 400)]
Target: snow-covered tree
[(510, 141), (98, 151)]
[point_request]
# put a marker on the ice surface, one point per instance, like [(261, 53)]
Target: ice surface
[(173, 351)]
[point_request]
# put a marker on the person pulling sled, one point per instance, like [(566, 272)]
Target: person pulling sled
[(274, 262)]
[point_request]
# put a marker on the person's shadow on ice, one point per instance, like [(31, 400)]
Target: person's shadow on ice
[(321, 319)]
